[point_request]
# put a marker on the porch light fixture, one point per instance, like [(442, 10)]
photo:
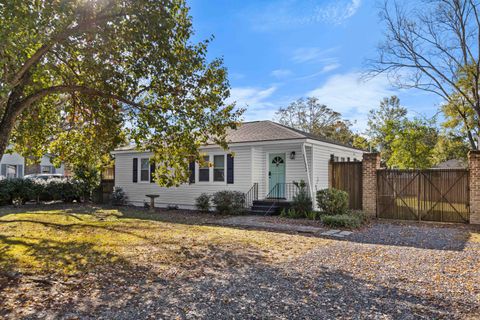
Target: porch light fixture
[(292, 155)]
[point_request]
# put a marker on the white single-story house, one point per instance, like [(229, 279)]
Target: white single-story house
[(266, 154), (12, 165)]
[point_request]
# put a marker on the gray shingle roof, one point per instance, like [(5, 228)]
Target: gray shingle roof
[(257, 131)]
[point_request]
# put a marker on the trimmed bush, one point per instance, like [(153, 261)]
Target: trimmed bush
[(66, 191), (118, 196), (229, 202), (16, 190), (343, 220), (301, 202), (332, 201), (202, 203)]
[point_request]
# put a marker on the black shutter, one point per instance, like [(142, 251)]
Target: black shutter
[(191, 169), (229, 169), (135, 170), (152, 171)]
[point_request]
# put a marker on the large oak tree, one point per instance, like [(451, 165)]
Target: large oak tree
[(74, 73)]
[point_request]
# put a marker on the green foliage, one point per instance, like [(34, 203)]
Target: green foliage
[(302, 202), (202, 203), (384, 123), (119, 196), (229, 202), (313, 215), (292, 213), (16, 189), (450, 146), (413, 145), (87, 179), (342, 220), (311, 116), (64, 190), (332, 201), (74, 73)]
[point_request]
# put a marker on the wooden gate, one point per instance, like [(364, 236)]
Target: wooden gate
[(347, 176), (423, 195)]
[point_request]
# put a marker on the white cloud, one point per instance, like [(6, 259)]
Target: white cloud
[(281, 73), (294, 13), (302, 55), (250, 96), (353, 96), (330, 67)]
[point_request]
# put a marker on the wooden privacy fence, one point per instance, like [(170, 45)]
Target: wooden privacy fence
[(423, 195), (347, 176)]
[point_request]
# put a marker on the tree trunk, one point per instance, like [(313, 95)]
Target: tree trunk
[(6, 127)]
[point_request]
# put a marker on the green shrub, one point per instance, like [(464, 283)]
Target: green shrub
[(229, 202), (64, 190), (301, 202), (16, 190), (292, 214), (343, 220), (312, 215), (332, 201), (118, 196), (203, 202)]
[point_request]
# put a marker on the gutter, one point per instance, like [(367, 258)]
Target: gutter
[(310, 186)]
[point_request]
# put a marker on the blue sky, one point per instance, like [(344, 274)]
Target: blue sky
[(280, 50)]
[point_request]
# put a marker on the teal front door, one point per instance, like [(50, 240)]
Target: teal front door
[(276, 175)]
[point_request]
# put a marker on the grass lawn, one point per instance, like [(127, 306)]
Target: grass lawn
[(79, 239)]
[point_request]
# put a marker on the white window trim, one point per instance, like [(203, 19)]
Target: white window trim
[(140, 171), (17, 173), (211, 157)]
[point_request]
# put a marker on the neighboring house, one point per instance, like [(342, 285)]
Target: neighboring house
[(13, 166), (265, 153), (45, 166), (452, 164)]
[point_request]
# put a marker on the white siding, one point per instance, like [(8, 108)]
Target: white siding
[(294, 169), (184, 196), (13, 159), (251, 166), (321, 156), (45, 161)]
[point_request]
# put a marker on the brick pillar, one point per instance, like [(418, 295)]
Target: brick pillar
[(370, 164), (474, 180)]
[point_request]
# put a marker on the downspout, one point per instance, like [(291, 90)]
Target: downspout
[(310, 186)]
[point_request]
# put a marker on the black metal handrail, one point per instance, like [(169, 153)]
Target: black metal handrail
[(285, 191), (251, 195)]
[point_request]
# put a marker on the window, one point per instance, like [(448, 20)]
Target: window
[(219, 168), (144, 170), (204, 172), (11, 171), (46, 169)]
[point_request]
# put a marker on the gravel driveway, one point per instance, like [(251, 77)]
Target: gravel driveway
[(386, 271)]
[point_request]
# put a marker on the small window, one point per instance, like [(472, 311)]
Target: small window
[(11, 171), (204, 172), (219, 168), (46, 169), (145, 170)]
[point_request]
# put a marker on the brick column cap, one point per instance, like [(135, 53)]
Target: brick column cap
[(473, 153)]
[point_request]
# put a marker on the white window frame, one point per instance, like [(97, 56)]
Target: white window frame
[(140, 171), (224, 168), (211, 158), (50, 170), (197, 178)]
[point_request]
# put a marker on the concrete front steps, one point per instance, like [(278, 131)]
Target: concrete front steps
[(269, 207)]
